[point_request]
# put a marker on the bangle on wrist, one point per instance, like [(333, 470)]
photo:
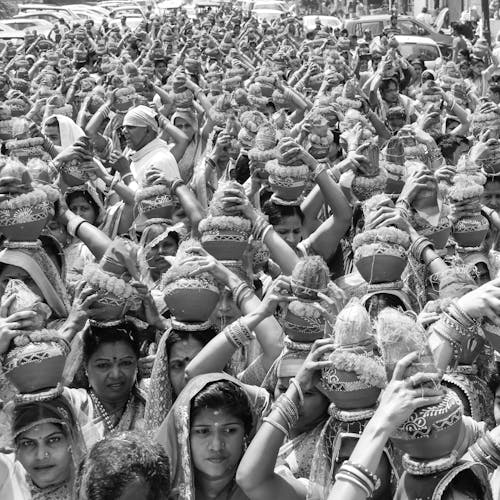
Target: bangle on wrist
[(74, 222), (126, 176), (295, 383), (176, 183)]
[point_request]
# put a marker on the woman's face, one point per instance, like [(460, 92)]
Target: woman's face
[(290, 229), (156, 255), (45, 452), (185, 126), (112, 370), (227, 311), (181, 354), (52, 132), (13, 272), (314, 409), (81, 207), (217, 443)]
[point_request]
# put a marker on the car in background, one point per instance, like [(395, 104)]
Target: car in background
[(407, 24), (309, 22), (36, 8), (8, 34), (269, 9), (39, 25), (50, 16), (134, 15), (423, 48)]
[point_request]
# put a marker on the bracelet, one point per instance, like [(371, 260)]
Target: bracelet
[(73, 224), (238, 334), (126, 176), (260, 228), (175, 184), (343, 475), (317, 171), (276, 425), (294, 382), (78, 227), (241, 292), (462, 317), (361, 469), (287, 409), (418, 246), (402, 203), (104, 110)]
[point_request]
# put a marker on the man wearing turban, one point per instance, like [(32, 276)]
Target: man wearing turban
[(140, 128)]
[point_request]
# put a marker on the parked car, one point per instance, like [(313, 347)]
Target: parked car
[(37, 8), (411, 47), (407, 24), (269, 9), (39, 25), (330, 21), (50, 16)]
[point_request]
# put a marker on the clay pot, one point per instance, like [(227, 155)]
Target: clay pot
[(73, 174), (24, 223), (191, 304), (335, 385), (225, 244), (35, 366), (290, 192), (470, 238), (431, 432), (303, 329), (380, 268), (439, 238)]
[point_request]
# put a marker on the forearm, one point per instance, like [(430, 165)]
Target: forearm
[(94, 238), (255, 474), (95, 122), (191, 205), (367, 453)]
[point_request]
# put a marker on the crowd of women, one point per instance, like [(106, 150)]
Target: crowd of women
[(239, 261)]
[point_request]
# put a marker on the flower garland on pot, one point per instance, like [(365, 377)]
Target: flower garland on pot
[(224, 236), (489, 160), (288, 175), (430, 434), (303, 320), (371, 178), (189, 295), (320, 138), (348, 100), (24, 209), (25, 149), (182, 96), (380, 254), (265, 145), (250, 121), (155, 201), (470, 227)]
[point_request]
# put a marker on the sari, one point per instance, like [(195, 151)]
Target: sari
[(91, 421), (34, 260), (195, 148), (54, 411), (174, 433)]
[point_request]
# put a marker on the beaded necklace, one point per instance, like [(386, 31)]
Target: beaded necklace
[(108, 423)]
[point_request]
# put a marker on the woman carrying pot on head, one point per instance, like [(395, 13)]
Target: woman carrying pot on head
[(256, 475), (48, 444), (206, 433)]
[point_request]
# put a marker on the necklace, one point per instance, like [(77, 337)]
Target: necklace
[(108, 422)]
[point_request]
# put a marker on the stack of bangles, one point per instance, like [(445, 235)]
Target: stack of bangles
[(238, 334), (260, 228), (418, 246), (455, 326), (359, 476), (317, 171), (241, 292), (486, 451), (286, 411), (404, 208)]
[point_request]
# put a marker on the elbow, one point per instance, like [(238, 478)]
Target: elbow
[(244, 479)]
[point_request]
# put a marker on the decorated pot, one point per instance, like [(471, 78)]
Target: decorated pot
[(287, 188), (439, 237), (471, 231), (24, 223), (346, 391), (35, 366), (381, 268), (161, 207), (431, 432), (225, 244), (114, 306), (74, 173), (303, 328), (190, 300), (394, 186)]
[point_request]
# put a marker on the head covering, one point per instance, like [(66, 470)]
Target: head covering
[(174, 433), (68, 129), (52, 411), (141, 116), (35, 261)]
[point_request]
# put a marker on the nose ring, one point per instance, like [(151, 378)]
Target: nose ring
[(46, 454)]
